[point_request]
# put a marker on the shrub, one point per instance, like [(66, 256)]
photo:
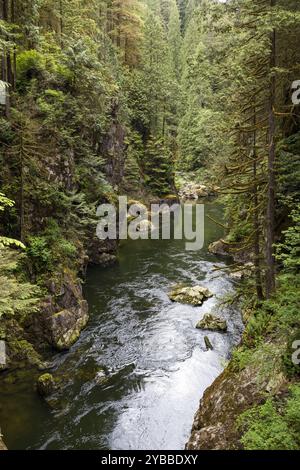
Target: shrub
[(39, 254), (270, 427), (30, 64), (49, 249)]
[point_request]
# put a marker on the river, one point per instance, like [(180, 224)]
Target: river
[(155, 360)]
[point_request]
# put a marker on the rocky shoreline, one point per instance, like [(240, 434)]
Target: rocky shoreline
[(62, 315), (214, 426), (245, 383)]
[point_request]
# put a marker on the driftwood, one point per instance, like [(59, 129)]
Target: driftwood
[(208, 344)]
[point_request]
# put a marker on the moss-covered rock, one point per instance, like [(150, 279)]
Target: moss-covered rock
[(65, 313), (67, 325), (190, 295), (212, 322), (46, 385)]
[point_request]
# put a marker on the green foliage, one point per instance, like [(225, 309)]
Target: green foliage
[(39, 254), (157, 168), (50, 249), (5, 202), (30, 64), (291, 369), (17, 298), (132, 181), (278, 319), (5, 241), (289, 169), (289, 251), (272, 427)]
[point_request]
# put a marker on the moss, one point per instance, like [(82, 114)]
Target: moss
[(46, 385), (22, 350)]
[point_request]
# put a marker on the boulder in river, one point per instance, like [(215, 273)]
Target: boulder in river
[(46, 385), (190, 295), (212, 322), (67, 325), (219, 248), (101, 377), (234, 250)]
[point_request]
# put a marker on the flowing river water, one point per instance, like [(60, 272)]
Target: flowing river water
[(156, 366)]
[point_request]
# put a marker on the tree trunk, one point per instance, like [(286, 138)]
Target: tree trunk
[(258, 281), (270, 273)]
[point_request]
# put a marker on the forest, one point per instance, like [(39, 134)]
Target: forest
[(156, 100)]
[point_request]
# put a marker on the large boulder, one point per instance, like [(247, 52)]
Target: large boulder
[(212, 322), (64, 313), (67, 325), (219, 248), (240, 255), (190, 295)]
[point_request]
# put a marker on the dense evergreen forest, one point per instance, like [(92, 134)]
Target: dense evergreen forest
[(102, 98)]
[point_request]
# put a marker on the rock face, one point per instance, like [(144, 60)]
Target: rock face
[(45, 385), (214, 426), (66, 325), (102, 252), (63, 315), (190, 295), (212, 322), (222, 248)]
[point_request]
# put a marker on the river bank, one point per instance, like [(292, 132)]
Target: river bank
[(246, 406)]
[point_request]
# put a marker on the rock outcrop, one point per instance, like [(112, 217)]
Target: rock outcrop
[(102, 252), (223, 248), (63, 314), (219, 248), (190, 295), (214, 426), (212, 323)]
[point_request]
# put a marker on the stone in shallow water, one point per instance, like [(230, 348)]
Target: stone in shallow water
[(212, 322), (101, 377), (190, 295), (46, 385)]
